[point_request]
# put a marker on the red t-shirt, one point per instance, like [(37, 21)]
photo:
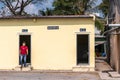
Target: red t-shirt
[(23, 49)]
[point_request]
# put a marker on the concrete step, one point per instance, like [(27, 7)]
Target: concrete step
[(104, 76), (107, 76), (83, 69), (114, 74), (19, 68), (26, 69)]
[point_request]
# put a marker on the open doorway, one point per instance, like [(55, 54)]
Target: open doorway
[(82, 49), (27, 39)]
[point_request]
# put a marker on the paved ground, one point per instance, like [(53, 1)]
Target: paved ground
[(48, 76), (105, 71), (101, 65)]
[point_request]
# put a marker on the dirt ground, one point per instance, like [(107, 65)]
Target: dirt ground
[(48, 76)]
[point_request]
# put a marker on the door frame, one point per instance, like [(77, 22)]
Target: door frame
[(83, 33), (23, 33)]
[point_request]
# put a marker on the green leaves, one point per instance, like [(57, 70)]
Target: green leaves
[(72, 7), (99, 24), (66, 7), (104, 6)]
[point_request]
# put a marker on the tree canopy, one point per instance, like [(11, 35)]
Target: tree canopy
[(104, 6), (72, 7)]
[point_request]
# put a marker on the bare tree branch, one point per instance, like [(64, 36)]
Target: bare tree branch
[(2, 1), (11, 9), (27, 2), (18, 8)]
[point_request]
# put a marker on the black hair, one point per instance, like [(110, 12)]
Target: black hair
[(24, 42)]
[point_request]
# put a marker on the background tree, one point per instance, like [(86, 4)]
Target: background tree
[(100, 24), (72, 7), (47, 12), (104, 7), (75, 7), (16, 7)]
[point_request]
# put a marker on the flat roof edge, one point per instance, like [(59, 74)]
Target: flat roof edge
[(39, 17), (114, 25)]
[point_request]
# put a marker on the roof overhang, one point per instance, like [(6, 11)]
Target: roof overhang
[(99, 43), (40, 17), (114, 25)]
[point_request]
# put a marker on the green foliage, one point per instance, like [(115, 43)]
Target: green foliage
[(99, 24), (72, 7), (47, 12), (104, 6), (63, 7)]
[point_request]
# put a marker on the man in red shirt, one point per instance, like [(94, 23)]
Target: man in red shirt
[(23, 54)]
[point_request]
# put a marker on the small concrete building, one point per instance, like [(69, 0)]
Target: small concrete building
[(54, 42)]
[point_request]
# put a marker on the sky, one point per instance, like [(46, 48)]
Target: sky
[(33, 9), (98, 2), (1, 5)]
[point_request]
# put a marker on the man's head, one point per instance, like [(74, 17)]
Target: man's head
[(24, 43)]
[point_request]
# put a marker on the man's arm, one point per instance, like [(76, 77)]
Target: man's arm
[(20, 50), (27, 51)]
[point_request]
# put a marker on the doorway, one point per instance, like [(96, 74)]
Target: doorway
[(27, 39), (82, 49)]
